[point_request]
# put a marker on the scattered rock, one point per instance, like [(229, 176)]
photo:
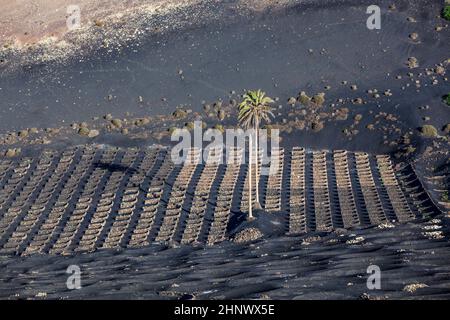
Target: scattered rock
[(292, 101), (440, 70), (84, 131), (355, 240), (407, 151), (309, 240), (142, 122), (303, 98), (219, 127), (358, 101), (179, 114), (52, 130), (385, 225), (365, 296), (172, 129), (189, 125)]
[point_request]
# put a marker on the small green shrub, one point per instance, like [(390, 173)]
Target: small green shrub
[(116, 123), (318, 99), (446, 12)]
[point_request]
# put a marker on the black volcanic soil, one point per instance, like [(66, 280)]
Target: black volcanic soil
[(413, 260), (218, 50), (303, 47)]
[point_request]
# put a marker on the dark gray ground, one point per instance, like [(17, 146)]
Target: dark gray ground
[(233, 51), (320, 266)]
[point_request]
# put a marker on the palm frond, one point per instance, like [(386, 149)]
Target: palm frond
[(254, 107)]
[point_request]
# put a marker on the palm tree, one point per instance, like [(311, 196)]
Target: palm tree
[(252, 110)]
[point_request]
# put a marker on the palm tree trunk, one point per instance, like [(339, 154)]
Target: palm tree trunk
[(250, 213), (257, 204)]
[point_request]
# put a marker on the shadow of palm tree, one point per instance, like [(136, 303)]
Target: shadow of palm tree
[(112, 167)]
